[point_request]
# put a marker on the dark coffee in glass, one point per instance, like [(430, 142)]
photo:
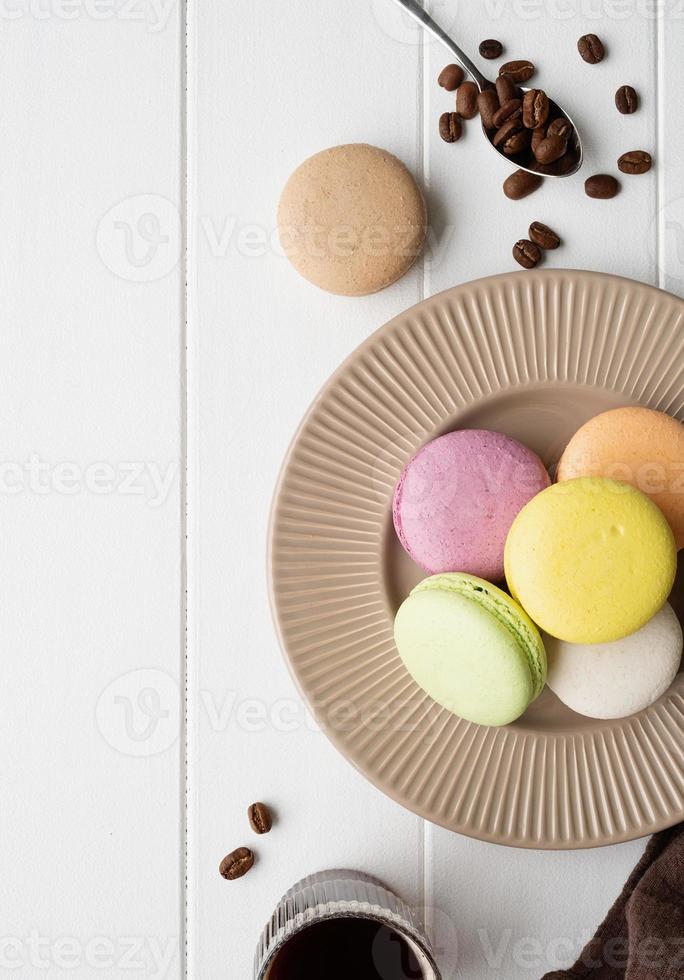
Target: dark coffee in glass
[(346, 949)]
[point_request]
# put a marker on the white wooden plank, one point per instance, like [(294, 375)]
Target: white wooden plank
[(90, 823), (517, 914), (668, 212), (271, 84)]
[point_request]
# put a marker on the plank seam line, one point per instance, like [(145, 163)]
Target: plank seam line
[(183, 543), (659, 83)]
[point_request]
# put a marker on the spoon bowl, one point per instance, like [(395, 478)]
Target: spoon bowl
[(567, 165)]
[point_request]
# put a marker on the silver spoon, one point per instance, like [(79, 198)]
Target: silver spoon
[(573, 158)]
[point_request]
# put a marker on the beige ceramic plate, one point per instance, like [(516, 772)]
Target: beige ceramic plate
[(533, 355)]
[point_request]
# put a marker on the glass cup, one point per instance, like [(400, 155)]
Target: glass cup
[(343, 924)]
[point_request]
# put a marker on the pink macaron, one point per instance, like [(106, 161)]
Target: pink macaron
[(458, 496)]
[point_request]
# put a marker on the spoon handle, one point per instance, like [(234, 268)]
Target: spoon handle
[(413, 8)]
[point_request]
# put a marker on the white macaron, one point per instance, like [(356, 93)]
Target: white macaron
[(613, 680)]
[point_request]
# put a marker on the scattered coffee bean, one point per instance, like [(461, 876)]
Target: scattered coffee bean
[(488, 104), (560, 127), (466, 100), (450, 128), (626, 100), (506, 89), (511, 137), (535, 108), (509, 110), (537, 136), (543, 236), (550, 149), (601, 186), (491, 49), (521, 183), (451, 77), (259, 817), (236, 864), (526, 253), (591, 48), (635, 162), (519, 71)]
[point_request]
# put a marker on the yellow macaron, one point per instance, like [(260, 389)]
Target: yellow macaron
[(590, 560)]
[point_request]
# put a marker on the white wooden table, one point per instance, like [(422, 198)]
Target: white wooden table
[(149, 392)]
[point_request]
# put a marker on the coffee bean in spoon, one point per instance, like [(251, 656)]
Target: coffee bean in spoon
[(591, 48), (491, 48), (466, 100), (527, 253), (506, 89), (550, 149), (517, 142), (236, 864), (451, 77), (537, 136), (543, 236), (601, 186), (450, 128), (509, 110), (560, 127), (518, 71), (520, 184), (535, 108), (488, 104), (565, 164), (626, 100), (635, 162), (512, 137)]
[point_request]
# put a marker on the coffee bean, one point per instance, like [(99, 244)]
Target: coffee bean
[(450, 128), (535, 108), (506, 89), (635, 162), (451, 77), (491, 48), (519, 71), (512, 137), (259, 817), (591, 48), (526, 253), (550, 149), (537, 136), (521, 183), (517, 142), (560, 127), (488, 104), (559, 168), (601, 186), (626, 100), (236, 864), (504, 132), (543, 236), (509, 110), (466, 100)]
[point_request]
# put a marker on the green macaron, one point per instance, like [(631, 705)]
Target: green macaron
[(471, 647)]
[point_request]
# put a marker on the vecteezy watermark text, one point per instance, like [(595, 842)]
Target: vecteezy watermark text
[(153, 14), (141, 478), (150, 955)]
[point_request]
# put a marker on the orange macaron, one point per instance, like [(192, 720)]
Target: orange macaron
[(635, 445)]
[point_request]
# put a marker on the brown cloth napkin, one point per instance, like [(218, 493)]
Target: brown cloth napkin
[(642, 937)]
